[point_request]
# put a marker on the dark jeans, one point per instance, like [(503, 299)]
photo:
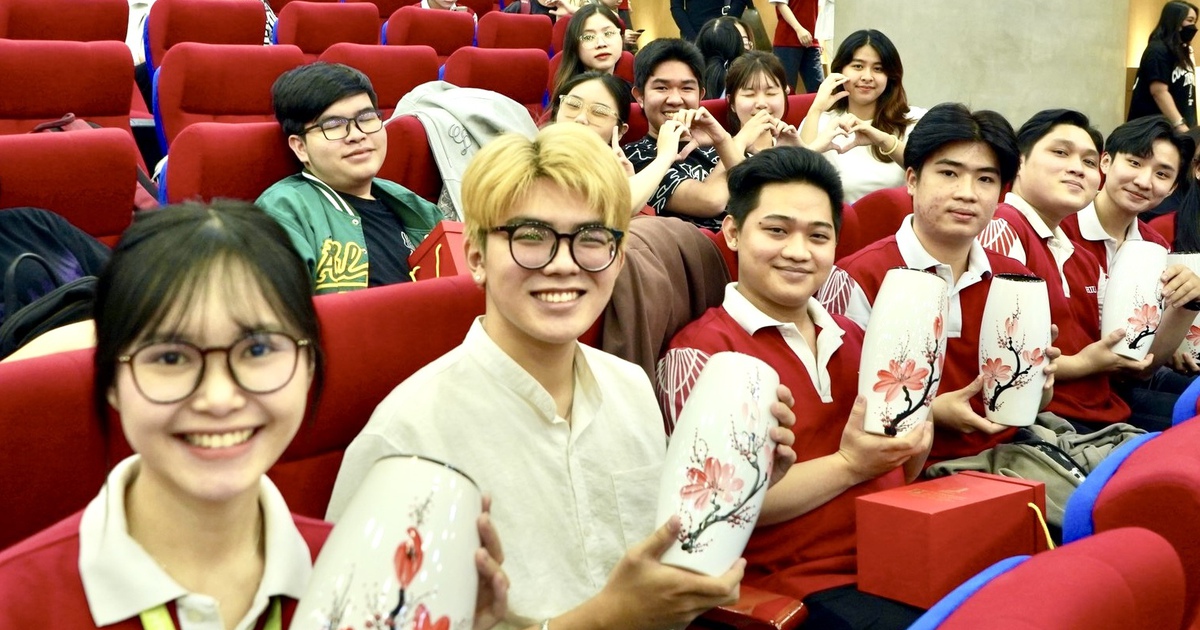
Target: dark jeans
[(847, 608), (804, 62), (1153, 401)]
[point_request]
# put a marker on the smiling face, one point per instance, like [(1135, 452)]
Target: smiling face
[(955, 194), (785, 248), (762, 91), (600, 44), (866, 79), (1136, 184), (548, 307), (590, 94), (672, 86), (216, 444), (1061, 174), (347, 165)]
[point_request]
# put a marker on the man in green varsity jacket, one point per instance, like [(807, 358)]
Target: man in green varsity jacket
[(353, 229)]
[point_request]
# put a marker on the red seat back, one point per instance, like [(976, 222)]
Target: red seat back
[(205, 21), (444, 31), (71, 20), (797, 108), (514, 30), (237, 161), (410, 160), (559, 34), (519, 74), (218, 83), (394, 70), (479, 7), (386, 8), (87, 177), (315, 26), (278, 5), (41, 81), (880, 214)]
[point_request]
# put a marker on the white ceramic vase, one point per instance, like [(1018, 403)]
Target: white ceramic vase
[(903, 349), (1013, 337), (1132, 299), (718, 462), (403, 554), (1191, 341)]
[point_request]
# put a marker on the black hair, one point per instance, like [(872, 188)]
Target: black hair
[(720, 43), (1167, 31), (571, 64), (1187, 216), (163, 265), (663, 50), (616, 86), (1138, 136), (1041, 123), (301, 94), (891, 108), (782, 165), (948, 123)]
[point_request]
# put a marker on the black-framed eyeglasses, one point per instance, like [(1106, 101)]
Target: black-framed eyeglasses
[(370, 121), (533, 245), (169, 371), (571, 105)]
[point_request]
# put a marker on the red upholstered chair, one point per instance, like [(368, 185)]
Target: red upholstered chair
[(204, 21), (519, 74), (237, 161), (315, 26), (638, 125), (479, 7), (394, 70), (849, 239), (1153, 484), (880, 213), (387, 7), (71, 20), (87, 177), (41, 81), (513, 30), (558, 34), (1165, 226), (444, 31), (410, 160), (217, 83), (278, 5), (797, 109), (1124, 578)]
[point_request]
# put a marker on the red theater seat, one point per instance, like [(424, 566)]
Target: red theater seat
[(315, 26), (479, 7), (394, 70), (218, 83), (559, 34), (880, 214), (71, 20), (41, 81), (387, 7), (278, 5), (519, 74), (513, 30), (410, 160), (237, 161), (205, 21), (444, 31)]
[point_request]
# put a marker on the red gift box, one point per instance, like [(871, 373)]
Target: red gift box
[(918, 542), (440, 254)]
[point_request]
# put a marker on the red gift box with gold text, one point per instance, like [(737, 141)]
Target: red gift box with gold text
[(440, 254), (919, 542)]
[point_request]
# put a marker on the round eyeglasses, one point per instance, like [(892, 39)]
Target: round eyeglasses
[(534, 245), (591, 39), (571, 105), (169, 371), (370, 121)]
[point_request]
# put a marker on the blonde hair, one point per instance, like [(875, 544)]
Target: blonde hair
[(571, 157)]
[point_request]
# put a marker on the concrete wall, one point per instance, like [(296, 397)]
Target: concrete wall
[(1013, 56)]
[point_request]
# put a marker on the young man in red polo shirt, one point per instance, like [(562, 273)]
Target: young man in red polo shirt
[(1143, 162), (1059, 175), (958, 162), (784, 212), (796, 45)]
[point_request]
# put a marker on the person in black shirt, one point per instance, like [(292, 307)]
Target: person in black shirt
[(1166, 77), (690, 15)]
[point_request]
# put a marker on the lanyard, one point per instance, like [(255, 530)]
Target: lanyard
[(158, 618)]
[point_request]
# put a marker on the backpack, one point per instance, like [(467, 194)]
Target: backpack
[(145, 193), (66, 304)]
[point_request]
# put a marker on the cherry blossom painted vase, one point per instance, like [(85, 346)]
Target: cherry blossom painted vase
[(718, 462), (903, 349), (1131, 298), (1013, 337), (1191, 341), (402, 556)]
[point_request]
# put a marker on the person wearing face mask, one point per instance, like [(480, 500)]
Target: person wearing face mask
[(1166, 77)]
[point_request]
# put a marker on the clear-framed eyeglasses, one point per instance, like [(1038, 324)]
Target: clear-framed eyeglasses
[(370, 121), (571, 105), (591, 39), (533, 245), (169, 371)]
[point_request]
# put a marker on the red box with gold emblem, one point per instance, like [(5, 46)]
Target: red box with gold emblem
[(440, 254), (919, 542)]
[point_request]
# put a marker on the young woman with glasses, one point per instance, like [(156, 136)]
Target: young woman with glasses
[(592, 42), (208, 348), (602, 102)]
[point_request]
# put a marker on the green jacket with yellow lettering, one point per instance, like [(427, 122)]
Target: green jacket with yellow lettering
[(328, 233)]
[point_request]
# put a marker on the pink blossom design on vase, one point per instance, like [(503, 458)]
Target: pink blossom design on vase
[(904, 377), (714, 492), (999, 376), (1143, 323)]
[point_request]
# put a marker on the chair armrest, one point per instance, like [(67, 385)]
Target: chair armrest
[(756, 609)]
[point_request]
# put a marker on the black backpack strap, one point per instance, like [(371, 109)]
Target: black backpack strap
[(12, 300)]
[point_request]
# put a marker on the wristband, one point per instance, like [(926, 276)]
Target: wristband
[(895, 144)]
